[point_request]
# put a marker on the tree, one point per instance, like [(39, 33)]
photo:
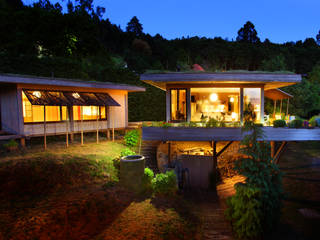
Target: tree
[(274, 64), (248, 34), (13, 4), (318, 38), (135, 27)]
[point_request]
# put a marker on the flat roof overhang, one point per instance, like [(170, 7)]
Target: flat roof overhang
[(268, 80), (58, 83)]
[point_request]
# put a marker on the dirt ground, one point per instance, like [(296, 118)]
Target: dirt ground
[(71, 194)]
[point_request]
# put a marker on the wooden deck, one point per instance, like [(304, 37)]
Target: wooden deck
[(226, 134)]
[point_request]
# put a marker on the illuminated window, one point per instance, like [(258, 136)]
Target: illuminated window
[(253, 96), (178, 105), (89, 113), (34, 113)]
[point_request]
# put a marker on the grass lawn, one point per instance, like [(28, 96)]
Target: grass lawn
[(72, 193)]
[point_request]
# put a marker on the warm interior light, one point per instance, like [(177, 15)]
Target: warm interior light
[(232, 99), (234, 115), (37, 94), (76, 95), (213, 97)]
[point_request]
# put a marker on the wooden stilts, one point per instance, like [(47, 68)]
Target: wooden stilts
[(81, 116), (44, 127), (280, 106), (23, 142), (98, 125), (113, 117), (169, 153), (272, 144), (274, 108), (279, 151), (287, 109), (67, 132)]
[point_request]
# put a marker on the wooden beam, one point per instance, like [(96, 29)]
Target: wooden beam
[(280, 106), (262, 105), (44, 127), (81, 123), (279, 151), (274, 108), (23, 142), (113, 116), (67, 132), (241, 106), (98, 108), (224, 148), (188, 105), (287, 108), (272, 144), (168, 105)]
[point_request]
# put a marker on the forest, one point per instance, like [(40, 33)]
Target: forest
[(80, 42)]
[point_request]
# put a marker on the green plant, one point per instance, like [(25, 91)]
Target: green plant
[(11, 144), (147, 179), (297, 123), (245, 211), (192, 124), (262, 176), (212, 122), (127, 152), (165, 183), (315, 121), (279, 123), (131, 138)]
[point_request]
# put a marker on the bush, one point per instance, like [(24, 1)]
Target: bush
[(147, 179), (127, 152), (165, 183), (131, 138), (315, 121), (212, 122), (297, 123), (279, 123), (11, 143), (244, 211)]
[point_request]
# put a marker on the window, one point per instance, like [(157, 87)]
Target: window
[(89, 112), (218, 103), (253, 96), (178, 105), (35, 113)]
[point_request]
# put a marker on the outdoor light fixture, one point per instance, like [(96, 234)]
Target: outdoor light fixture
[(213, 97), (76, 95), (37, 94)]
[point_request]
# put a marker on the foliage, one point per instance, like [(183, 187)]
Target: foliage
[(135, 27), (248, 34), (147, 179), (245, 211), (165, 183), (296, 123), (127, 152), (279, 123), (276, 63), (131, 138), (249, 114), (263, 185), (315, 121), (11, 143), (212, 122)]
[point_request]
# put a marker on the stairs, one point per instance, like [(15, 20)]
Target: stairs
[(149, 151)]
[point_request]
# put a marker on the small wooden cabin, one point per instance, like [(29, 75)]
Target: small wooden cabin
[(28, 104), (194, 96)]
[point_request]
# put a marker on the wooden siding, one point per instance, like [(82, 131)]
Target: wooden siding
[(226, 134)]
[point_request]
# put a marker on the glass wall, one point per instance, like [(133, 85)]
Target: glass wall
[(253, 96), (178, 105), (218, 103)]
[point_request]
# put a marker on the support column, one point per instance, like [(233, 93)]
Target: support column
[(81, 116), (272, 144), (23, 142), (71, 122), (168, 105), (262, 106), (241, 106), (44, 127), (188, 104)]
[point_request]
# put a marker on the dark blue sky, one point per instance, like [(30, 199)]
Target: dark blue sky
[(278, 20)]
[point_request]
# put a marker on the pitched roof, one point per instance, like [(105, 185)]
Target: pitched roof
[(62, 82), (270, 80)]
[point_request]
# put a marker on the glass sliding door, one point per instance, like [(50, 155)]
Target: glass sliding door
[(253, 96), (178, 105)]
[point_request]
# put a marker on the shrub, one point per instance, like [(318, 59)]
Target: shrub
[(212, 122), (315, 121), (279, 123), (165, 183), (297, 123), (127, 152), (11, 143), (131, 138), (147, 179), (245, 211)]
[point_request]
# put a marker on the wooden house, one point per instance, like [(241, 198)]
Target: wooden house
[(36, 106)]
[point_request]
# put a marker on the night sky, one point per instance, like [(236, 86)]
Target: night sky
[(278, 20)]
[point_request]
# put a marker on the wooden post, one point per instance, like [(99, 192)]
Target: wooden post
[(98, 125), (241, 105), (188, 104), (274, 108), (81, 117), (287, 109), (272, 144), (44, 127), (113, 125), (168, 104), (23, 142), (169, 153), (280, 106), (67, 132), (214, 155), (262, 105)]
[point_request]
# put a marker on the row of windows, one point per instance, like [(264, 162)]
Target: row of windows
[(35, 113)]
